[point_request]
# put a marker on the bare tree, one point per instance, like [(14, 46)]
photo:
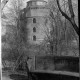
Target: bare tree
[(3, 3), (16, 33), (72, 17), (61, 34)]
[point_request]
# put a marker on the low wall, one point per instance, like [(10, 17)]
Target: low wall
[(57, 63)]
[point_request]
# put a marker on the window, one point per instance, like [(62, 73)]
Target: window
[(34, 29), (34, 38), (34, 20)]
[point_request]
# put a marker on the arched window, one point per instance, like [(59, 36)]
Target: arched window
[(34, 20), (34, 38), (34, 29)]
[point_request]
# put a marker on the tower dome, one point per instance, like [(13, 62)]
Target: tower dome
[(37, 0), (36, 3)]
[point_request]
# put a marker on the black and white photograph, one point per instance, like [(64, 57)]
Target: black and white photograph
[(39, 40)]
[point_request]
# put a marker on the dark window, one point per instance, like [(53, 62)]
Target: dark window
[(34, 20), (34, 38), (34, 29)]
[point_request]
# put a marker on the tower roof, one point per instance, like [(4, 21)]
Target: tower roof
[(37, 0), (37, 3)]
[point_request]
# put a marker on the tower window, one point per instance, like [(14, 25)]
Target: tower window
[(34, 20), (34, 38), (34, 29)]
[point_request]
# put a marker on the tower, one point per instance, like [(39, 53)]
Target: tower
[(37, 24), (37, 21)]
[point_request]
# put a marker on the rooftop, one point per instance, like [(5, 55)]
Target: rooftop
[(38, 0)]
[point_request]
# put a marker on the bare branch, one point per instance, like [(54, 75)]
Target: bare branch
[(71, 8), (71, 19)]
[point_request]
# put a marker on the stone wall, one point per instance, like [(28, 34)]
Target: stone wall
[(57, 63)]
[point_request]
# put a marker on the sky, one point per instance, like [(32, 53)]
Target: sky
[(8, 4)]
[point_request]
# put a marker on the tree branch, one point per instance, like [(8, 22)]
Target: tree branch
[(71, 19), (71, 9)]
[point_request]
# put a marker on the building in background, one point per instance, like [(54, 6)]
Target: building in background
[(37, 15)]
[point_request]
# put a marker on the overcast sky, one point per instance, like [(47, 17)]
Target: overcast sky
[(8, 4), (6, 11)]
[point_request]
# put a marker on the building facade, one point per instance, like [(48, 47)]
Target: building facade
[(37, 14)]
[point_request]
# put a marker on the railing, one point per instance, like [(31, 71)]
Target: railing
[(57, 64)]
